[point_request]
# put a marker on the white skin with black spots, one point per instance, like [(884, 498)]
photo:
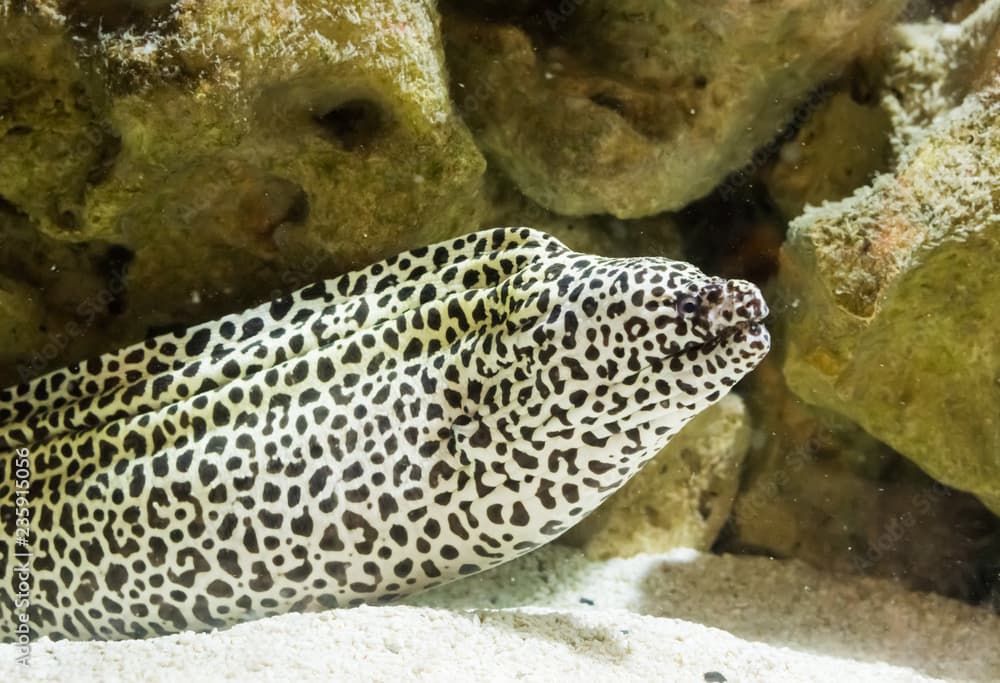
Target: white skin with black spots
[(426, 418)]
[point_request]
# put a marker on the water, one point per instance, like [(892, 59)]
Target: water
[(165, 164)]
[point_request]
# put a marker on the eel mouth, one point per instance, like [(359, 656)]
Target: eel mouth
[(756, 334), (750, 328)]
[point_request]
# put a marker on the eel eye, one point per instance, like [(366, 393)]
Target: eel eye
[(688, 305)]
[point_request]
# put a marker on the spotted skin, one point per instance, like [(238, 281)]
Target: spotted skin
[(426, 418)]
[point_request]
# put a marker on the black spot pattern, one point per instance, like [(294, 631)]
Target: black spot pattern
[(425, 418)]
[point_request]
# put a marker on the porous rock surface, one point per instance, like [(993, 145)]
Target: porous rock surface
[(632, 108), (235, 149), (894, 289), (842, 145)]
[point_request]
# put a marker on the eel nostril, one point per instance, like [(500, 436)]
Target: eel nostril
[(714, 292)]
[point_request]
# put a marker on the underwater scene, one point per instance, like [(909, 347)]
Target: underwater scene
[(538, 340)]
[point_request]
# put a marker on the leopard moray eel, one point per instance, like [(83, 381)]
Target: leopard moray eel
[(425, 418)]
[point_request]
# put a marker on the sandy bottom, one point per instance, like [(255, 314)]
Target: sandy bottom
[(556, 616)]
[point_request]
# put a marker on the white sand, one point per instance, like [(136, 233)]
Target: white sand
[(654, 618)]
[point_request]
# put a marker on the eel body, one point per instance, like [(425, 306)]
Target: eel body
[(423, 419)]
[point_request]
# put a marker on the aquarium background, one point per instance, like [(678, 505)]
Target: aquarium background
[(164, 163)]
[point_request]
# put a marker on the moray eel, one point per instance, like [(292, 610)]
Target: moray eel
[(420, 420)]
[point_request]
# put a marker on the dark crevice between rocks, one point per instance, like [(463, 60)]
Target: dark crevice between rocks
[(738, 180), (113, 265), (736, 233), (354, 124), (91, 16), (154, 331), (863, 84)]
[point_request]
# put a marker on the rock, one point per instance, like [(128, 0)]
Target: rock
[(22, 325), (59, 298), (931, 537), (816, 487), (237, 150), (632, 108), (842, 145), (681, 498), (933, 66), (54, 136), (600, 234), (809, 484), (894, 297), (887, 97)]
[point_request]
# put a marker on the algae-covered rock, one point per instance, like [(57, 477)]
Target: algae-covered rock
[(815, 485), (818, 488), (59, 298), (809, 483), (241, 148), (22, 326), (896, 307), (54, 136), (681, 498), (933, 66), (842, 145), (600, 234), (632, 108)]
